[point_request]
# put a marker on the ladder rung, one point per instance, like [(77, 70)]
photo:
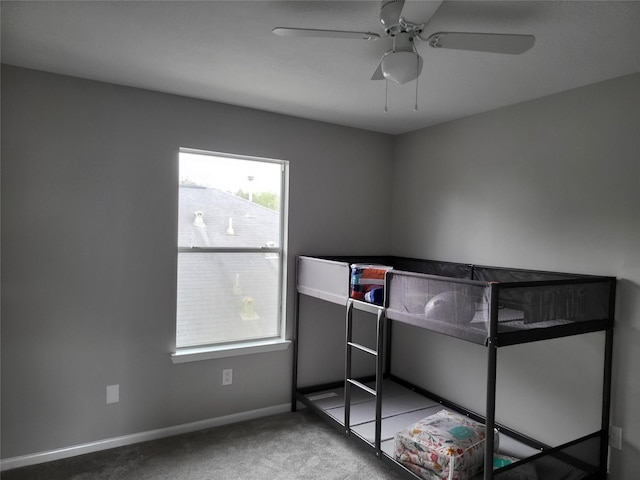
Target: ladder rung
[(363, 348), (362, 386), (366, 306)]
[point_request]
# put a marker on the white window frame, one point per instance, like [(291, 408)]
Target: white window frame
[(244, 347)]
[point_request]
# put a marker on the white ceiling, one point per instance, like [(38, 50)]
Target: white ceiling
[(225, 51)]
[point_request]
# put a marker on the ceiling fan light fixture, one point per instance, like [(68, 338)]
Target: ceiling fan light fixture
[(401, 67)]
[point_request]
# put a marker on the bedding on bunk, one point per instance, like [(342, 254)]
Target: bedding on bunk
[(445, 445), (367, 282)]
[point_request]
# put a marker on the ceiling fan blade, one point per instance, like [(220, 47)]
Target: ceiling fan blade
[(318, 33), (378, 75), (419, 12), (483, 42)]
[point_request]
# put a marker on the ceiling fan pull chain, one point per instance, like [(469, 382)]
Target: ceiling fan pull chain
[(415, 107), (386, 96)]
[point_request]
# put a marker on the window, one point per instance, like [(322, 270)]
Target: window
[(231, 249)]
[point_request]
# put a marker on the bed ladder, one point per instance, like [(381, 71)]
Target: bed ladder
[(349, 382)]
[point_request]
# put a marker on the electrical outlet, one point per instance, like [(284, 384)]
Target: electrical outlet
[(113, 394), (227, 376), (615, 437)]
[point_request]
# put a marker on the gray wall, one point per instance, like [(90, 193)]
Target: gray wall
[(549, 184), (89, 208), (88, 248)]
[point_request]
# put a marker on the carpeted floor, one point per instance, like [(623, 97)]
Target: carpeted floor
[(287, 446)]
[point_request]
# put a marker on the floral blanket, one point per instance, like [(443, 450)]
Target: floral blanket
[(445, 445)]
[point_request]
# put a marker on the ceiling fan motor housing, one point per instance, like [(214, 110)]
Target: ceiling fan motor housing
[(403, 42)]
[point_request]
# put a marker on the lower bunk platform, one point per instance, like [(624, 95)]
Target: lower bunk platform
[(403, 406)]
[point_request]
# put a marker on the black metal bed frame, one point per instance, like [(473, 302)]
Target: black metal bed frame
[(494, 341)]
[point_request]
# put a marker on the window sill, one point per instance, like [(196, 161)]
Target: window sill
[(184, 355)]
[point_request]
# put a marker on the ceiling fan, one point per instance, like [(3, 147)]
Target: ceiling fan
[(404, 23)]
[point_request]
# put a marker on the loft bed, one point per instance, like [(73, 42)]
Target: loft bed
[(489, 306)]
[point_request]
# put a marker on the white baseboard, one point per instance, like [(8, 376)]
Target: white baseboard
[(60, 453)]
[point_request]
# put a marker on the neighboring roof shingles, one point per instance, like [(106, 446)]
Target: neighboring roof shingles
[(215, 289), (253, 224)]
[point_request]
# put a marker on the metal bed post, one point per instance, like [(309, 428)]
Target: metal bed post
[(492, 357), (606, 385), (294, 339), (347, 367), (380, 322)]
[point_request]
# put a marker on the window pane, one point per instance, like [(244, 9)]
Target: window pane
[(228, 202), (226, 297)]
